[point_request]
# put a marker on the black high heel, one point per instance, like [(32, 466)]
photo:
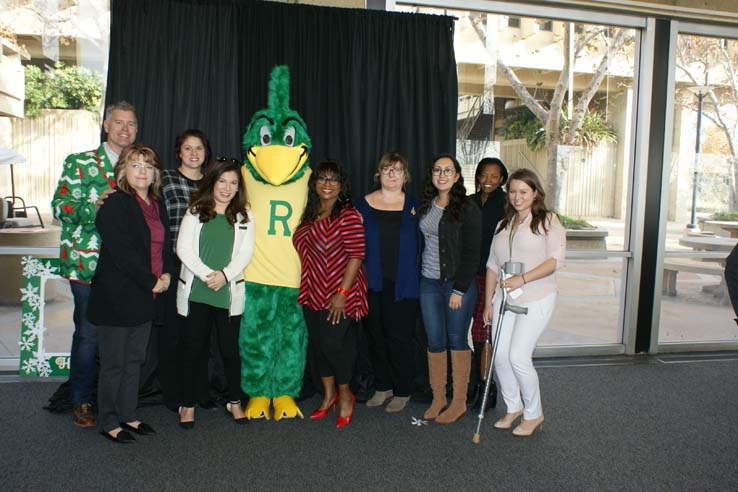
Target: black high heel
[(239, 421)]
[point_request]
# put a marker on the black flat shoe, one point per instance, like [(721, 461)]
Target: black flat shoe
[(123, 437), (143, 429)]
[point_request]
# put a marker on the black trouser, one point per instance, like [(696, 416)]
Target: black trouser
[(390, 329), (122, 350), (195, 344), (169, 366), (334, 346)]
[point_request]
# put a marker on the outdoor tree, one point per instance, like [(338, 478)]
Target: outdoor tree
[(704, 61), (573, 45), (62, 87)]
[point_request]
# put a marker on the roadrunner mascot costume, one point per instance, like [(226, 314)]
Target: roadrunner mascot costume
[(273, 336)]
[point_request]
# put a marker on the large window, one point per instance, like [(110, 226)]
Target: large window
[(701, 192), (558, 97), (52, 73)]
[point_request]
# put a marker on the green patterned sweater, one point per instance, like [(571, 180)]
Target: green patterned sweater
[(84, 178)]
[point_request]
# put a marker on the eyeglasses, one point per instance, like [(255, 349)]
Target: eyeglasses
[(230, 160), (329, 179), (146, 167), (390, 170), (446, 171)]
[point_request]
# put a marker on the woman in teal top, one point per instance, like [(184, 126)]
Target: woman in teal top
[(215, 243)]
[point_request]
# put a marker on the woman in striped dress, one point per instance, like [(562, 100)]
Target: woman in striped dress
[(330, 243)]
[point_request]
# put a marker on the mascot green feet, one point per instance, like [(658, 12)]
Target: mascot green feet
[(272, 341)]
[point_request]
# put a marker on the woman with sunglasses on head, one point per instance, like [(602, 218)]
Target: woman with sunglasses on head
[(134, 268), (215, 243), (530, 234), (391, 229), (193, 152), (330, 243), (450, 224), (489, 178)]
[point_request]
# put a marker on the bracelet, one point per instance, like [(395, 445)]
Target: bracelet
[(343, 291), (523, 275), (224, 275)]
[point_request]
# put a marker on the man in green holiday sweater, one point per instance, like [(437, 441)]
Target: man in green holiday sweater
[(86, 180)]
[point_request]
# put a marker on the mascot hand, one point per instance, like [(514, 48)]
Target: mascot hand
[(285, 407), (257, 408)]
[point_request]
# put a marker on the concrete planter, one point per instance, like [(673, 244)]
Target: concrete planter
[(586, 239)]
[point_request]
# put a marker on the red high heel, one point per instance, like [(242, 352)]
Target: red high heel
[(319, 414), (344, 421)]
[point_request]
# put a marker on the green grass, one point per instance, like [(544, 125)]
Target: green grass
[(575, 224)]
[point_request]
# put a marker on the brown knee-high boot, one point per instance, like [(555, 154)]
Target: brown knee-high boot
[(460, 368), (437, 367)]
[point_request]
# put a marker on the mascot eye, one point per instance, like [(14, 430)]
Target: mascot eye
[(289, 136), (265, 136)]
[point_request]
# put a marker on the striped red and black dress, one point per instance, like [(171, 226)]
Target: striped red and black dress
[(325, 248)]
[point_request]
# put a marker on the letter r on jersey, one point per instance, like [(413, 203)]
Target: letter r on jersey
[(279, 211)]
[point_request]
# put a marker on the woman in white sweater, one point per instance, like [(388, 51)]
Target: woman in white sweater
[(215, 243)]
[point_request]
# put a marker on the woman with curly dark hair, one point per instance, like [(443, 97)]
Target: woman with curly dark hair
[(215, 243), (330, 243), (450, 224)]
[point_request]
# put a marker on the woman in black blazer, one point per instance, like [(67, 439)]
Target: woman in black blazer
[(135, 266)]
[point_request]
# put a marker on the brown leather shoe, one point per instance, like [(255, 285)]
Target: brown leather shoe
[(83, 416)]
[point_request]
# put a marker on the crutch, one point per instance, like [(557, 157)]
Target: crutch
[(509, 268)]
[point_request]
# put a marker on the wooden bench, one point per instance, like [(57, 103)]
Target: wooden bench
[(673, 266)]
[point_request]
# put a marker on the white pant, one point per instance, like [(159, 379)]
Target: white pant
[(519, 334)]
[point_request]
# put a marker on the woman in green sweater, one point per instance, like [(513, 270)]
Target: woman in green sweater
[(215, 243)]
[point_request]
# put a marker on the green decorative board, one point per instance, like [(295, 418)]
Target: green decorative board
[(34, 360)]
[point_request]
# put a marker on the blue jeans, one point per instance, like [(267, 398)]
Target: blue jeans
[(83, 358), (446, 329)]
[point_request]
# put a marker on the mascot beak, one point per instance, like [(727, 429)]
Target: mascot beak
[(277, 163)]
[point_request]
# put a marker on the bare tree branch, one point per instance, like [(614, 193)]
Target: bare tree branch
[(515, 83), (599, 75)]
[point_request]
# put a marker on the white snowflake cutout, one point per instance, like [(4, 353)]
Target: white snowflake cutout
[(30, 266), (31, 295), (27, 343)]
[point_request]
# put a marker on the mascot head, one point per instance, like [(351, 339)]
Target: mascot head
[(276, 142)]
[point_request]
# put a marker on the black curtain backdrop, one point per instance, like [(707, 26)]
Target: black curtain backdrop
[(364, 81)]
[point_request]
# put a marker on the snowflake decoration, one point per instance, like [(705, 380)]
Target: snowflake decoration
[(31, 295), (92, 171), (47, 270), (77, 193), (30, 266), (27, 343), (44, 368), (29, 366), (34, 361), (28, 319), (34, 331)]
